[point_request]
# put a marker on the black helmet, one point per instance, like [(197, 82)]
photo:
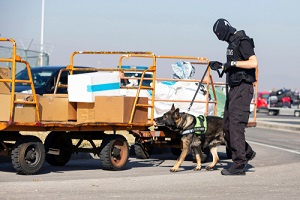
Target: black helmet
[(223, 29)]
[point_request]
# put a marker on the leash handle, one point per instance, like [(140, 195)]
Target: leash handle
[(221, 73), (200, 85)]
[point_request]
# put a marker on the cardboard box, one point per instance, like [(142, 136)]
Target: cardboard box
[(85, 112), (84, 87), (115, 109), (22, 112), (4, 74), (56, 107), (118, 109), (4, 107), (24, 97)]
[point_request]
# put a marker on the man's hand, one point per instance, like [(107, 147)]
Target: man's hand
[(215, 65), (226, 66)]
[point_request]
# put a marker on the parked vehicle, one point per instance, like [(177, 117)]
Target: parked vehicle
[(262, 101), (284, 102), (44, 79), (136, 76), (284, 111)]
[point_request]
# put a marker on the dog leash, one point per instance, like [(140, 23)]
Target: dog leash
[(199, 86)]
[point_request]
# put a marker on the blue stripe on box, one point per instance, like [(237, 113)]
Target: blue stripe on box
[(103, 87)]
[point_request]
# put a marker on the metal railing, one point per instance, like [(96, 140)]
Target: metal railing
[(12, 82)]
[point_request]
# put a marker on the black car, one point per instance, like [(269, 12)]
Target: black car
[(44, 79), (137, 75)]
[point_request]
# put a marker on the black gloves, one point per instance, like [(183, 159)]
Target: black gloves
[(227, 66), (215, 65)]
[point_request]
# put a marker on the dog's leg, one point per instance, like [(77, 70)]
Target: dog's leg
[(186, 142), (197, 151), (181, 158), (214, 153)]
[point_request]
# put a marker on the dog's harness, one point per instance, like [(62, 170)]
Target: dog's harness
[(200, 127)]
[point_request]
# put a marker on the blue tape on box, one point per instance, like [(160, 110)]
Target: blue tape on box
[(103, 87)]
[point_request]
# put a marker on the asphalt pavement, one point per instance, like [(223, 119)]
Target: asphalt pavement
[(284, 124), (273, 174), (269, 176)]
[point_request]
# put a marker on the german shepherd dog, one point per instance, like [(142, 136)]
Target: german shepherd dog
[(180, 122)]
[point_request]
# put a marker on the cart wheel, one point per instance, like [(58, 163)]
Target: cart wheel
[(114, 152), (131, 150), (60, 142), (2, 145), (205, 154), (143, 151), (176, 151), (297, 113), (28, 155)]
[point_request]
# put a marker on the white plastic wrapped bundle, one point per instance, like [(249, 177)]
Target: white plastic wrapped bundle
[(173, 90), (179, 91), (183, 70)]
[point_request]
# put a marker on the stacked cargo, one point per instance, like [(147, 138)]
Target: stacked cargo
[(92, 97), (22, 112), (284, 98)]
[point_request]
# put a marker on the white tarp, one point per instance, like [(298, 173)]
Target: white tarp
[(171, 90), (179, 91)]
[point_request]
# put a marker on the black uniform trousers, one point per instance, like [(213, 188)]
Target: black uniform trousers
[(236, 116)]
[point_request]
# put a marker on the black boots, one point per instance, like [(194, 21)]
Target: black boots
[(233, 171), (251, 156), (238, 171)]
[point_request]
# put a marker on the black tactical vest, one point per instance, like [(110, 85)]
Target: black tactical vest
[(236, 75)]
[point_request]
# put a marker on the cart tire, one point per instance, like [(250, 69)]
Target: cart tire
[(297, 113), (28, 155), (205, 153), (176, 151), (114, 152), (131, 150), (2, 146), (141, 151), (60, 141)]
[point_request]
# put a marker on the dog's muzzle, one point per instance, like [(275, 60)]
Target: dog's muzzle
[(158, 121)]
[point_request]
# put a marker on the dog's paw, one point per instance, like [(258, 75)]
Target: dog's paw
[(197, 168), (173, 170), (209, 168)]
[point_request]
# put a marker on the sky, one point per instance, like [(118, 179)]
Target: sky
[(164, 27)]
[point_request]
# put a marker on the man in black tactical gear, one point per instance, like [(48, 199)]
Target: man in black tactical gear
[(240, 69)]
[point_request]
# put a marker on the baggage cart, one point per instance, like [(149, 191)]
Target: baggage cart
[(63, 138)]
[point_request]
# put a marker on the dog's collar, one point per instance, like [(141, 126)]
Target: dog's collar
[(193, 130), (188, 131)]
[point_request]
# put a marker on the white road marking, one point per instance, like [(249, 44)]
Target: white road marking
[(274, 147)]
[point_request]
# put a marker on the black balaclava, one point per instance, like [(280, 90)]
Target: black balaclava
[(223, 29)]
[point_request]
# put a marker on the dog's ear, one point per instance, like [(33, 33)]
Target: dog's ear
[(176, 113), (173, 107)]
